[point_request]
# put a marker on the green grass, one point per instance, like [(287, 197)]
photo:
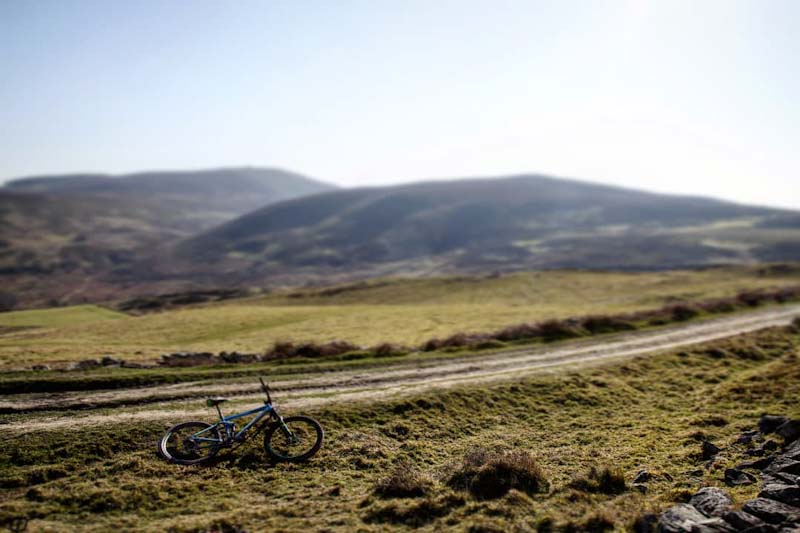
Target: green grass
[(59, 317), (399, 311), (644, 413)]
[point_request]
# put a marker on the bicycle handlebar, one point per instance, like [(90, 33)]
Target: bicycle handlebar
[(265, 388)]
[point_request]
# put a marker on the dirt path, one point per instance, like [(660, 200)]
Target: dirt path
[(176, 402)]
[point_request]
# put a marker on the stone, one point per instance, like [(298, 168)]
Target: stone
[(785, 465), (642, 476), (790, 431), (734, 477), (792, 451), (680, 519), (742, 520), (788, 494), (780, 478), (131, 364), (713, 525), (188, 359), (711, 501), (110, 361), (747, 437), (769, 423), (86, 364), (40, 367), (759, 464), (236, 357), (771, 511), (709, 450)]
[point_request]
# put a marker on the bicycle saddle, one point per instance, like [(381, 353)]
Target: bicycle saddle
[(211, 402)]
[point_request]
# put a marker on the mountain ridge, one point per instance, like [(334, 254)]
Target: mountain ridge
[(370, 224)]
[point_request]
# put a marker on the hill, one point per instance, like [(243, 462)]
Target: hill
[(57, 233), (187, 200), (483, 224)]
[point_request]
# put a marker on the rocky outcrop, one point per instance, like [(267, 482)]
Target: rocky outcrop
[(777, 507)]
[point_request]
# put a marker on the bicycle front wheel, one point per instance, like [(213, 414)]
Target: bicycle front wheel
[(190, 443), (297, 440)]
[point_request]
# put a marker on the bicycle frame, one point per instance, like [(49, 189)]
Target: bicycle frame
[(227, 422)]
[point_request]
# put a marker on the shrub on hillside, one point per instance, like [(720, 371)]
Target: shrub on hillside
[(287, 349), (517, 332), (458, 340), (595, 324), (555, 330), (600, 481), (751, 298), (683, 312), (388, 349), (489, 475), (718, 305)]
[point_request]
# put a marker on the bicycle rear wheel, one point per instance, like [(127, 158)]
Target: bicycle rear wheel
[(190, 443), (302, 440)]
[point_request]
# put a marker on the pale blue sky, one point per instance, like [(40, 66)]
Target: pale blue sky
[(698, 97)]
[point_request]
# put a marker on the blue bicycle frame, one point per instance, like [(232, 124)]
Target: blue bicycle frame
[(227, 422)]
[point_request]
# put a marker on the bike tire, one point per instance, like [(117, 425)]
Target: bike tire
[(304, 426), (171, 450)]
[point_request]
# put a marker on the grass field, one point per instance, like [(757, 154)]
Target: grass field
[(646, 413), (401, 311)]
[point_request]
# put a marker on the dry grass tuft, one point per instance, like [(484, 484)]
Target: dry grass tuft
[(490, 475), (600, 481), (405, 481)]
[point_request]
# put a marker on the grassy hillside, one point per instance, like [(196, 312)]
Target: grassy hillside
[(395, 464), (203, 198), (61, 237), (533, 221), (393, 310)]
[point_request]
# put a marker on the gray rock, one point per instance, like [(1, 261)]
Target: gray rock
[(680, 519), (790, 431), (711, 501), (742, 520), (110, 361), (709, 450), (792, 451), (788, 494), (748, 436), (642, 476), (758, 464), (131, 364), (780, 478), (189, 359), (784, 464), (713, 525), (769, 423), (734, 477), (86, 364), (771, 511), (40, 367), (236, 357)]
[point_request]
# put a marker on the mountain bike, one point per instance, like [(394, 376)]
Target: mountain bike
[(291, 439)]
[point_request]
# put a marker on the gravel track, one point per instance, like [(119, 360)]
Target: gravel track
[(177, 402)]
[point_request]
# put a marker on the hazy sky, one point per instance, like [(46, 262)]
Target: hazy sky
[(699, 97)]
